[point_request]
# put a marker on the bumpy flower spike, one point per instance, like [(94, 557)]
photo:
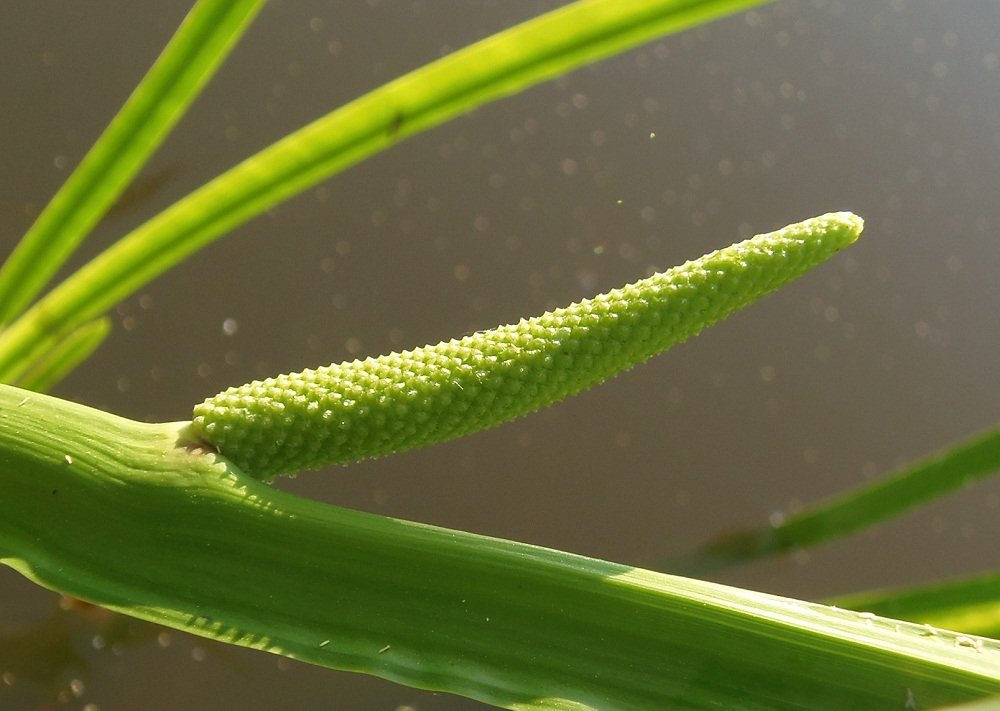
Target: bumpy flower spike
[(368, 408)]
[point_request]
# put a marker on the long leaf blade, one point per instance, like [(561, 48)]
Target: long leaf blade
[(505, 63), (186, 64), (927, 480), (66, 355), (133, 517)]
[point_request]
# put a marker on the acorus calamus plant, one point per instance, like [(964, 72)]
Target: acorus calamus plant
[(175, 522), (368, 408)]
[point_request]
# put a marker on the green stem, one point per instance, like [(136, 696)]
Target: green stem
[(134, 517)]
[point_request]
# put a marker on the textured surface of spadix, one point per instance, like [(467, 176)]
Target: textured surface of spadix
[(367, 408)]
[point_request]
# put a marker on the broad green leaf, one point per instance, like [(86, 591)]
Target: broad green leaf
[(136, 517)]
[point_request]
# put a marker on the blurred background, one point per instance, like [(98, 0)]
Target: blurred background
[(887, 353)]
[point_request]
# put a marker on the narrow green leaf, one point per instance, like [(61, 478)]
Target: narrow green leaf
[(182, 69), (971, 604), (508, 62), (65, 356), (137, 518), (892, 495)]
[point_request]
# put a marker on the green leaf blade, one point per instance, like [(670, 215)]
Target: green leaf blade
[(65, 356), (894, 494), (187, 63), (510, 61), (83, 498)]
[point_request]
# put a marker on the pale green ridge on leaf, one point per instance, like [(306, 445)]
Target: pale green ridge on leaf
[(137, 518), (989, 704), (497, 66), (371, 407), (189, 60), (968, 604)]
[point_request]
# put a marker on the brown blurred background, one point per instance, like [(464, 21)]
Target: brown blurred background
[(886, 108)]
